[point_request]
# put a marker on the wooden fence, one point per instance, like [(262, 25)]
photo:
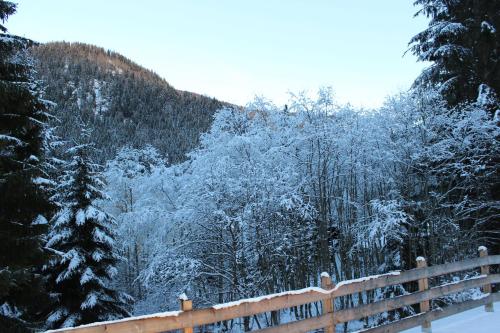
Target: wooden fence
[(188, 318)]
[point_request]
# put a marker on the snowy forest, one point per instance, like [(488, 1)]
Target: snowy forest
[(256, 199)]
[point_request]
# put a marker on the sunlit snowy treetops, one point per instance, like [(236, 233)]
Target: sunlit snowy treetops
[(274, 197)]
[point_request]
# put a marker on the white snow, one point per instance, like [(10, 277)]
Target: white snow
[(420, 259), (87, 276), (325, 275), (57, 314), (476, 320), (183, 297), (301, 291), (71, 320), (487, 27), (80, 217), (42, 181), (75, 259), (343, 283), (102, 237), (9, 138), (101, 323), (39, 220), (33, 159), (90, 301), (486, 95), (101, 103), (267, 297), (97, 255), (482, 248), (111, 271), (9, 311), (449, 28), (93, 213), (471, 278)]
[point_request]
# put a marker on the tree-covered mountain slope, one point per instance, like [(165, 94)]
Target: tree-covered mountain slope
[(124, 103)]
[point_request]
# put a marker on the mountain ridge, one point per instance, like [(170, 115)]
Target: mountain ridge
[(125, 103)]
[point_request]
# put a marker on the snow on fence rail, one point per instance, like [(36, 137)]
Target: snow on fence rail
[(188, 318)]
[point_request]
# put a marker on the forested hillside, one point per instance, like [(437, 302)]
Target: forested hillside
[(125, 103)]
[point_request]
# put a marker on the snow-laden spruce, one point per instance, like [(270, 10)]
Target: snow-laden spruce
[(82, 237), (461, 42), (25, 138)]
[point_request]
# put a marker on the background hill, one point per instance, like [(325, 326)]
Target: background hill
[(125, 103)]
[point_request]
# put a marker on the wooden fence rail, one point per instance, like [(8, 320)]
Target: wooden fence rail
[(189, 318)]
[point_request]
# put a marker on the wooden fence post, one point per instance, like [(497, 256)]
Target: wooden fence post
[(186, 305), (423, 284), (328, 305), (485, 270)]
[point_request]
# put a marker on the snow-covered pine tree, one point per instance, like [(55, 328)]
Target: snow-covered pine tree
[(23, 202), (80, 275), (462, 42)]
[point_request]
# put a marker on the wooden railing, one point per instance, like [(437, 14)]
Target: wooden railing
[(187, 318)]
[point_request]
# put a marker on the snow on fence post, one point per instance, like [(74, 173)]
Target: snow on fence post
[(328, 304), (485, 270), (186, 305), (423, 284)]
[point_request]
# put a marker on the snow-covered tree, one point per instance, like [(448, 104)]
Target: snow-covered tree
[(24, 204), (138, 184), (462, 42), (82, 236)]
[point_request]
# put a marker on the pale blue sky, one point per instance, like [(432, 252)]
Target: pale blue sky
[(236, 49)]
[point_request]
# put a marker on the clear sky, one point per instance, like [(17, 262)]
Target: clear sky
[(236, 49)]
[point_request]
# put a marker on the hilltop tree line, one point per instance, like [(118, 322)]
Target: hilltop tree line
[(125, 103), (263, 201)]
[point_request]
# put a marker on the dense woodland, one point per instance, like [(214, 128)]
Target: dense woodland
[(123, 193), (125, 103)]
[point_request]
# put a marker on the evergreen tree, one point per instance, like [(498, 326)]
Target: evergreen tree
[(23, 201), (82, 235), (7, 8), (463, 44)]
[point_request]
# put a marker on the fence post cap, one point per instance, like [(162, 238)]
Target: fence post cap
[(482, 248)]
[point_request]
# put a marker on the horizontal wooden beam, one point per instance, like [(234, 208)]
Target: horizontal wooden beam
[(319, 322), (347, 287), (244, 308), (414, 321), (394, 303), (381, 306), (198, 317)]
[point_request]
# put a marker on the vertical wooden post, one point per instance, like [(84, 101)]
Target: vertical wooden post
[(326, 283), (423, 284), (485, 270), (186, 305)]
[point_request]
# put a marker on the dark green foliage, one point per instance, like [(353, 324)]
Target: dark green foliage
[(7, 8), (126, 104), (23, 204), (463, 44)]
